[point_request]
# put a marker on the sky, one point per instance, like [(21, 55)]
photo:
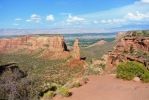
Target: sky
[(100, 15)]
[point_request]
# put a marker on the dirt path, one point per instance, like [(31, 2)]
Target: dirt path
[(107, 87)]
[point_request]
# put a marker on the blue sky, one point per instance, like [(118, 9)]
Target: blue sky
[(100, 15)]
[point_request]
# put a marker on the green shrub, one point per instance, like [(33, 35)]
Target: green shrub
[(102, 66), (129, 70), (64, 91), (145, 77), (140, 33), (94, 69), (131, 49), (48, 95), (76, 84), (72, 84)]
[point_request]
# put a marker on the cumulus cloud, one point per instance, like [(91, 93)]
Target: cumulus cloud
[(74, 19), (50, 18), (112, 21), (145, 1), (128, 18), (34, 18), (137, 16)]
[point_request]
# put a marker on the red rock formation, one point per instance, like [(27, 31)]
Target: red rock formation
[(99, 43), (53, 47), (53, 43), (76, 50), (126, 45), (12, 44), (137, 43)]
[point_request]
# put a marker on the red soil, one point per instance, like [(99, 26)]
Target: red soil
[(107, 87)]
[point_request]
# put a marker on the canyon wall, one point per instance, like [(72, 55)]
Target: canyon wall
[(127, 49), (51, 46)]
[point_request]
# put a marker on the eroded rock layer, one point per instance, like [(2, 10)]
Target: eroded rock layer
[(129, 48), (51, 46)]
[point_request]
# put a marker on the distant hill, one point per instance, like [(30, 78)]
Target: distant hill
[(99, 43), (96, 52)]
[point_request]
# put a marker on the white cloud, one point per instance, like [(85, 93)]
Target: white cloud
[(95, 22), (145, 1), (28, 20), (104, 21), (128, 18), (112, 21), (137, 16), (34, 18), (74, 19), (50, 18), (18, 19)]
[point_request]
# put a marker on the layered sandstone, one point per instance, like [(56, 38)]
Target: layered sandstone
[(127, 48), (52, 46), (76, 50), (53, 43)]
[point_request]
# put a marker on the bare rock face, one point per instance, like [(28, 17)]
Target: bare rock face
[(52, 43), (56, 49), (125, 47), (136, 43), (76, 50), (52, 47), (120, 35), (12, 44)]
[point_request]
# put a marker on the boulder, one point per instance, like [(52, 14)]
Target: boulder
[(136, 79)]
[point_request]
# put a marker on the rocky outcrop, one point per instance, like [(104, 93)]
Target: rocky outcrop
[(76, 50), (127, 48), (11, 44), (52, 47), (136, 43), (120, 35), (52, 43)]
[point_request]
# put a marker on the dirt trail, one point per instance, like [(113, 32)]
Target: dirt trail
[(107, 87)]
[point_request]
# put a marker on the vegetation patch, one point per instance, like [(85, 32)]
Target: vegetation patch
[(129, 70), (64, 91), (40, 76), (96, 52)]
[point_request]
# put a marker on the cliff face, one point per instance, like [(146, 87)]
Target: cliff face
[(137, 43), (54, 43), (128, 48), (52, 46)]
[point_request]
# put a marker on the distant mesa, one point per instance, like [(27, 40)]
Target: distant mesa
[(49, 47)]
